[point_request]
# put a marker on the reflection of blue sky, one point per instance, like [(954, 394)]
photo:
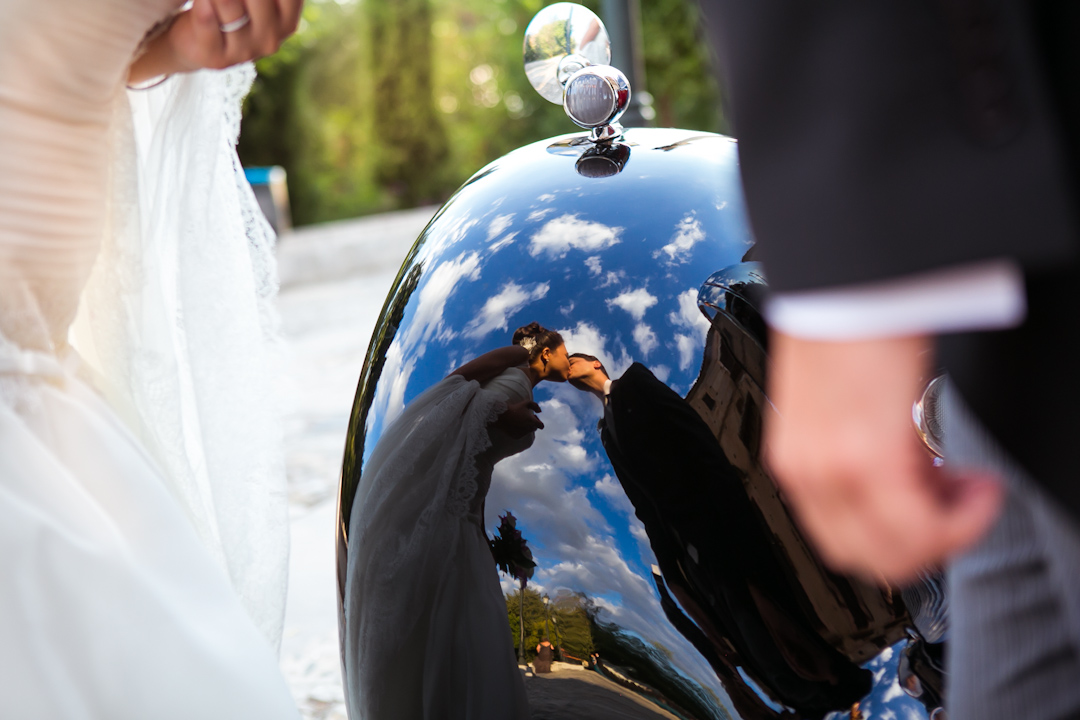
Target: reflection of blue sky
[(615, 265), (887, 701)]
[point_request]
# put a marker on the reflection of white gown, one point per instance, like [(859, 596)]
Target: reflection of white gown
[(425, 619), (110, 605)]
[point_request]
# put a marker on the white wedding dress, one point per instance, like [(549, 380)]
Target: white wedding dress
[(426, 631), (132, 508)]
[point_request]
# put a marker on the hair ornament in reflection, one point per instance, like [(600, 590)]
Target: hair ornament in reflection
[(426, 632), (511, 550)]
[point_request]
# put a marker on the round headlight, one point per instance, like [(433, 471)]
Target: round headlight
[(596, 96)]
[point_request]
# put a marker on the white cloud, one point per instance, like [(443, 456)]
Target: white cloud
[(611, 490), (587, 338), (503, 242), (645, 338), (687, 347), (662, 372), (894, 691), (444, 235), (566, 232), (426, 324), (593, 264), (538, 215), (613, 278), (498, 308), (690, 318), (688, 233), (635, 302), (498, 225), (689, 315)]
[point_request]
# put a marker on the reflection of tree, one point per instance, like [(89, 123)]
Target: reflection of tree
[(576, 628), (568, 623), (649, 664), (549, 42)]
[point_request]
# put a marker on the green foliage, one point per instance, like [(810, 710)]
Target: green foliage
[(678, 66), (385, 104), (567, 622)]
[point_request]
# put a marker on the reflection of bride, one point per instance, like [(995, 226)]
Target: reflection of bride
[(426, 632), (128, 516)]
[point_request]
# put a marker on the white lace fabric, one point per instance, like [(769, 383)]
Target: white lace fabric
[(177, 319), (425, 619), (140, 490)]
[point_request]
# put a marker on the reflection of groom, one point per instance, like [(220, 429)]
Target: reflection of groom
[(713, 549)]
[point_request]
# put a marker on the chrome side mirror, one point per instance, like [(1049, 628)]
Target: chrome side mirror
[(567, 51)]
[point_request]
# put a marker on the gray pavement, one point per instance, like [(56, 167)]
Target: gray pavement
[(335, 278), (347, 248)]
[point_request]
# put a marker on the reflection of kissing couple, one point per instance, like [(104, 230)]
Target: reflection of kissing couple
[(425, 617)]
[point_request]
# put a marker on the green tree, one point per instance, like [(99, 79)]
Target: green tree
[(411, 150), (384, 104)]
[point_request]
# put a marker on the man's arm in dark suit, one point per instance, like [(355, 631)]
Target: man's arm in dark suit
[(878, 140)]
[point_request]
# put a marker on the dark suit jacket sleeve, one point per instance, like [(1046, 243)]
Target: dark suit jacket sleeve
[(883, 138)]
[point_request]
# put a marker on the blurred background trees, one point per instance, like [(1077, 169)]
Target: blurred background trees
[(378, 105)]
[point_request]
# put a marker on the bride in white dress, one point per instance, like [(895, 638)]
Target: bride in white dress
[(141, 558), (426, 633)]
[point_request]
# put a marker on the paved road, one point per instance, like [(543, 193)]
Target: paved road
[(335, 278)]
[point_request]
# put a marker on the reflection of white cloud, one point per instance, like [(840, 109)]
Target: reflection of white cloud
[(687, 346), (689, 315), (536, 487), (587, 338), (443, 235), (566, 232), (551, 488), (426, 324), (645, 338), (613, 278), (894, 691), (506, 240), (593, 264), (688, 233), (494, 314), (610, 489), (500, 223), (635, 302)]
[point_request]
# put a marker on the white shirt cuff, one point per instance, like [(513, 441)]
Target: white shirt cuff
[(979, 296)]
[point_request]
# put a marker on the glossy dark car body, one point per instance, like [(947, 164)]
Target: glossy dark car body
[(700, 594)]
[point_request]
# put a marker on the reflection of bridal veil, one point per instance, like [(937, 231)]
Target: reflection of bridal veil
[(407, 556), (177, 319)]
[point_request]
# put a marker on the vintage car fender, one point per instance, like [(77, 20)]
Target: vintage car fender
[(683, 567)]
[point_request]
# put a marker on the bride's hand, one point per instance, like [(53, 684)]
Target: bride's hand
[(520, 418), (214, 34)]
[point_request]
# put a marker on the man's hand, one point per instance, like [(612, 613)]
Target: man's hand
[(196, 40), (843, 449), (520, 418)]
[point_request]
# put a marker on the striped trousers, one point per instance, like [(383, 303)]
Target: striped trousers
[(1014, 650)]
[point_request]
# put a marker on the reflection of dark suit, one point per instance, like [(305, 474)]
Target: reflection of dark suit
[(713, 548)]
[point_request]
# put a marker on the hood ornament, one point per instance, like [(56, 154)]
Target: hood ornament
[(567, 51)]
